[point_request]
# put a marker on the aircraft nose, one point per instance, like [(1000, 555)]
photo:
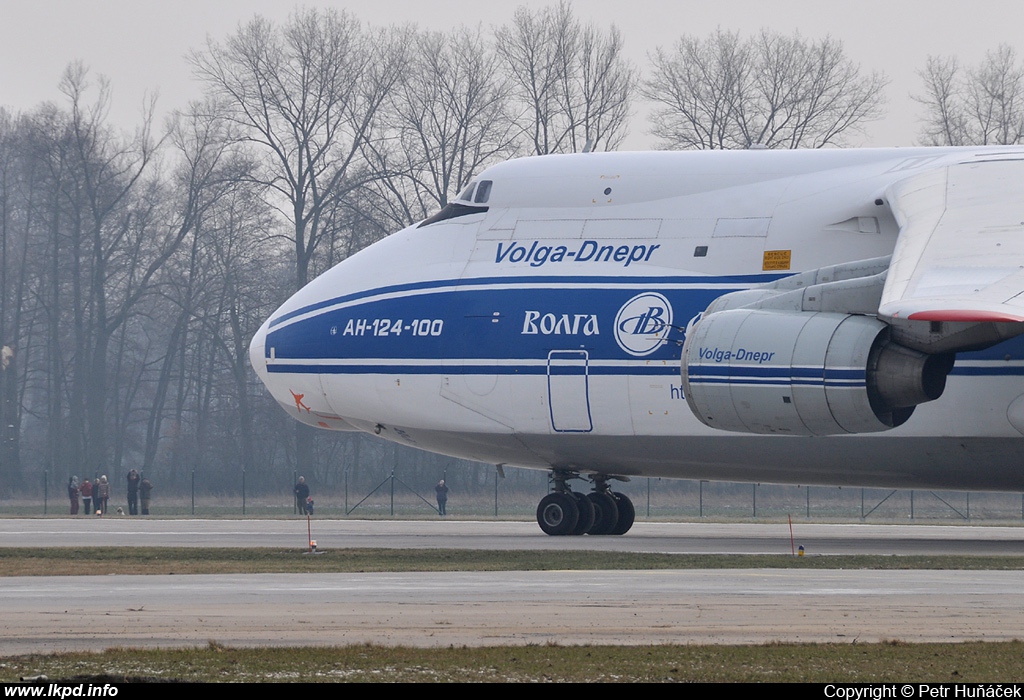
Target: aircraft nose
[(258, 352), (300, 395)]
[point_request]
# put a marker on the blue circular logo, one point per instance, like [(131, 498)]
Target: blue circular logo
[(643, 323)]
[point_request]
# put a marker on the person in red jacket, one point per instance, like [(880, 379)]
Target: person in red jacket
[(87, 497)]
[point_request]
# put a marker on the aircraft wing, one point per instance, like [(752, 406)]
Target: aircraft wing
[(960, 252)]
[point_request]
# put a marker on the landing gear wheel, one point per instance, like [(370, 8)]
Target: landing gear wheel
[(587, 514), (606, 513), (558, 513), (627, 514)]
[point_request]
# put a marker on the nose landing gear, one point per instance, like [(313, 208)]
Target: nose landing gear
[(601, 512)]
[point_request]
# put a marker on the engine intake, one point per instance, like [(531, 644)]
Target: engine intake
[(804, 373)]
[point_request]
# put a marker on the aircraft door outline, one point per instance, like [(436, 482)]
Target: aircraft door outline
[(569, 391)]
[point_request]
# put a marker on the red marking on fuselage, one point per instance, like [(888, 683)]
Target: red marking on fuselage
[(298, 401)]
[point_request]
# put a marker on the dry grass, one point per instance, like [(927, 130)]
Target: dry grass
[(888, 662), (67, 561)]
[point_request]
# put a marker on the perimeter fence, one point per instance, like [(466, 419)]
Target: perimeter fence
[(654, 499)]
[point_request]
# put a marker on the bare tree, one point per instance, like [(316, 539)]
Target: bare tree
[(93, 227), (945, 119), (306, 96), (699, 88), (16, 191), (210, 169), (774, 90), (572, 82), (596, 90), (112, 247), (982, 105), (447, 119)]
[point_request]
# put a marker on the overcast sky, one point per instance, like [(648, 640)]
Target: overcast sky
[(140, 44)]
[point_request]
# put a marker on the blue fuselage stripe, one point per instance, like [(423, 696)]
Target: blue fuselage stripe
[(508, 326), (473, 370), (638, 370), (533, 282)]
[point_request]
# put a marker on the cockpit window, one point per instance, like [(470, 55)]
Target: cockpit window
[(452, 211), (456, 209), (483, 192)]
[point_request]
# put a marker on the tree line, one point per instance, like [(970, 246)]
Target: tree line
[(135, 267)]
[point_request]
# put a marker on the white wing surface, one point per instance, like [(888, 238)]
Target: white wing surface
[(960, 251)]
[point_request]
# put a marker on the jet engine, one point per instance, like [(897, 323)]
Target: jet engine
[(757, 370)]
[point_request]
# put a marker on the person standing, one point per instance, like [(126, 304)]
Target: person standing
[(145, 489), (87, 497), (133, 492), (442, 497), (301, 491), (73, 494), (102, 495)]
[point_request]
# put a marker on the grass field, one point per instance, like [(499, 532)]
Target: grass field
[(67, 561), (973, 662)]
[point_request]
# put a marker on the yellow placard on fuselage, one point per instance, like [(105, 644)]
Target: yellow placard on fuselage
[(777, 259)]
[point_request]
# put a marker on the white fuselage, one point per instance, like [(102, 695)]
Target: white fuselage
[(542, 327)]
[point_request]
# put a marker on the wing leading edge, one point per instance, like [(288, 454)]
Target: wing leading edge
[(960, 252)]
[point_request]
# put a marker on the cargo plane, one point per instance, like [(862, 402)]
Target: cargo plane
[(841, 317)]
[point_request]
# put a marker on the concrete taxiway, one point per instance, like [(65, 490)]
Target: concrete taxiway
[(495, 608), (703, 538)]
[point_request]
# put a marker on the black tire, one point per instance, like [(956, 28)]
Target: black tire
[(606, 513), (627, 514), (557, 514), (587, 514)]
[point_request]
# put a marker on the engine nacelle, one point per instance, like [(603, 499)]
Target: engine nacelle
[(804, 373)]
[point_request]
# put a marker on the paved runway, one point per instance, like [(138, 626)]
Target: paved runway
[(726, 538), (484, 608)]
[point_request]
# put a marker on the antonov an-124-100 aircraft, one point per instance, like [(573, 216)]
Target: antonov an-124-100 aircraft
[(840, 317)]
